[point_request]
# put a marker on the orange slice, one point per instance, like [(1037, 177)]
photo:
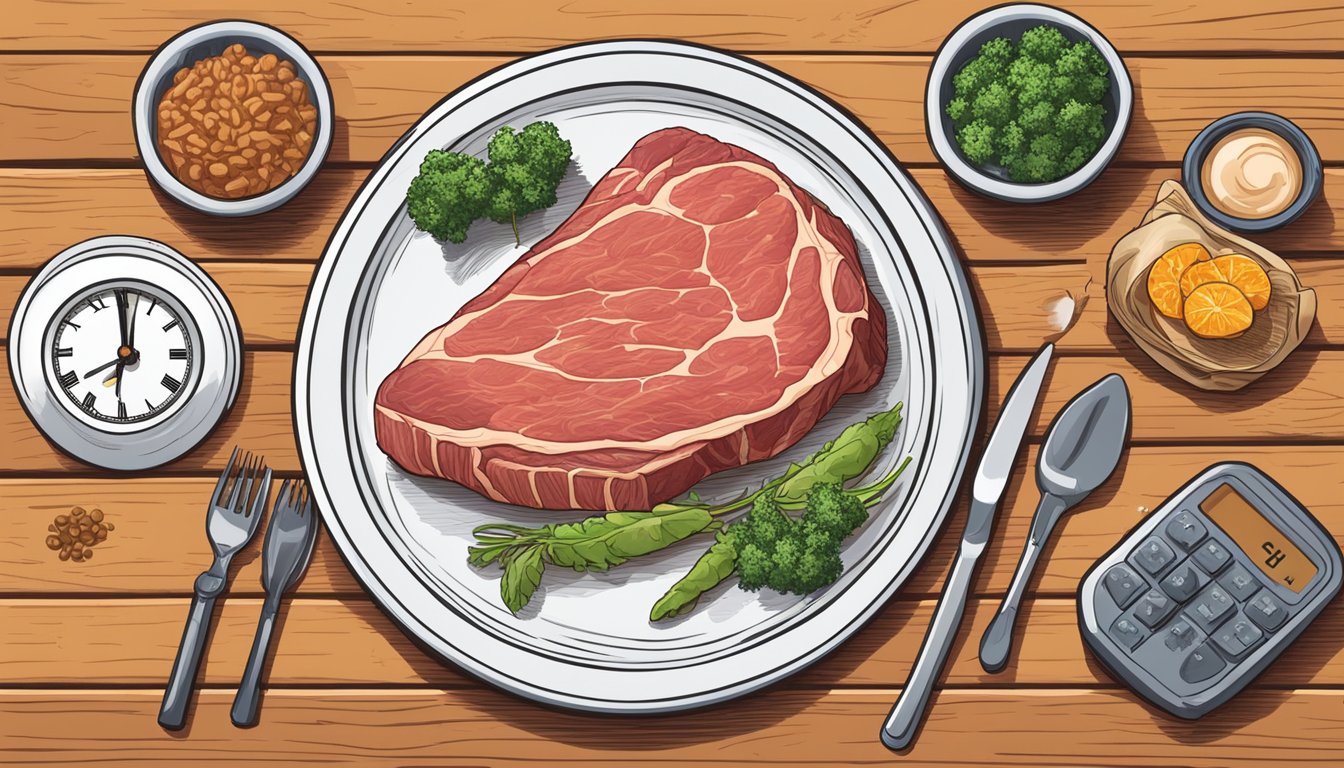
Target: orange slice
[(1165, 275), (1199, 274), (1218, 311), (1248, 276)]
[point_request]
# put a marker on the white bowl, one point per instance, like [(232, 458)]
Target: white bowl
[(1011, 21), (192, 45)]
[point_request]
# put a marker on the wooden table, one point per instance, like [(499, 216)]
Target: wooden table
[(85, 647)]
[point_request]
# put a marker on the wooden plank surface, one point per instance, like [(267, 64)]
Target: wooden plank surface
[(76, 107), (46, 210), (159, 545), (323, 642), (1047, 727), (839, 25)]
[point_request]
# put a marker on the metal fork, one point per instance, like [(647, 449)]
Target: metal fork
[(289, 545), (230, 525)]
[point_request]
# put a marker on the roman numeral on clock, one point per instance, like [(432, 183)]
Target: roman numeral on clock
[(170, 326), (89, 400), (169, 383), (69, 378), (65, 352), (97, 303), (121, 410), (177, 354)]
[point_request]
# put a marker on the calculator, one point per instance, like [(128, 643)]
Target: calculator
[(1208, 590)]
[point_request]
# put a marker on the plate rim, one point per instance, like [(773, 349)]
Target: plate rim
[(970, 332)]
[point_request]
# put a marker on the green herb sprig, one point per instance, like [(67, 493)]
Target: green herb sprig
[(606, 541)]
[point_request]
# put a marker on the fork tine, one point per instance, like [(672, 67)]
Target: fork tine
[(224, 478), (283, 494), (238, 483), (250, 474), (259, 503)]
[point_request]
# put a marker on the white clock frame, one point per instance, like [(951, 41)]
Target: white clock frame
[(218, 353)]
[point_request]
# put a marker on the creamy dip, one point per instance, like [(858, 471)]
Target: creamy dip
[(1252, 174)]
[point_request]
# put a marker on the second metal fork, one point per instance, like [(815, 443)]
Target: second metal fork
[(230, 525)]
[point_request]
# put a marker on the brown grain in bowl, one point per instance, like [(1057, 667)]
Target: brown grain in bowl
[(236, 125)]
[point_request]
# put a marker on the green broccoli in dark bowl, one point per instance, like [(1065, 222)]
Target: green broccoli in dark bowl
[(1033, 108)]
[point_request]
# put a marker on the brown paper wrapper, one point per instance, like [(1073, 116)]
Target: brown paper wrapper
[(1213, 364)]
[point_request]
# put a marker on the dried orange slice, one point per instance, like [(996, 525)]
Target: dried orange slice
[(1201, 273), (1165, 275), (1218, 311), (1247, 275)]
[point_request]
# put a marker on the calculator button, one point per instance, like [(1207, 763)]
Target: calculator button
[(1267, 610), (1183, 582), (1239, 582), (1237, 636), (1154, 608), (1202, 664), (1128, 632), (1186, 530), (1124, 584), (1180, 634), (1154, 555), (1212, 556), (1211, 607)]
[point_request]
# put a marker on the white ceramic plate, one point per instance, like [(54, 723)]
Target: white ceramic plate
[(585, 640)]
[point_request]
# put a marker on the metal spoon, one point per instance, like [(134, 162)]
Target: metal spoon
[(1081, 450)]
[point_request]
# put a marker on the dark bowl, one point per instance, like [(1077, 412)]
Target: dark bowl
[(1011, 21), (1313, 174)]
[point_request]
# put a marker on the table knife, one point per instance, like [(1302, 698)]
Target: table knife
[(991, 478)]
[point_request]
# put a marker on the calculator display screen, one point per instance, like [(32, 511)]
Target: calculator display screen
[(1271, 550)]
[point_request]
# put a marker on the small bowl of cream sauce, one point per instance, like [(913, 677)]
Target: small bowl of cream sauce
[(1252, 171)]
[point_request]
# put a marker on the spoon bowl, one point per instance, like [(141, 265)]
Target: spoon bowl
[(1082, 448)]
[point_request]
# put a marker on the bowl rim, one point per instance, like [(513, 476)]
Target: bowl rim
[(974, 178), (1313, 172), (144, 102)]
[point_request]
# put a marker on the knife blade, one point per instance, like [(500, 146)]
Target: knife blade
[(991, 478)]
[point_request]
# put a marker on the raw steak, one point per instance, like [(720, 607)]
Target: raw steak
[(699, 311)]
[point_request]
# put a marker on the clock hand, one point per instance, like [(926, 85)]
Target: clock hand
[(120, 293), (131, 308), (121, 370), (103, 367)]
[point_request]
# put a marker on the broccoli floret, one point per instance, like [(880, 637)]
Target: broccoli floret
[(832, 512), (798, 556), (453, 189), (978, 73), (1012, 140), (958, 109), (1081, 124), (997, 53), (1031, 81), (977, 141), (1043, 43), (525, 169), (1037, 119), (994, 105), (449, 193)]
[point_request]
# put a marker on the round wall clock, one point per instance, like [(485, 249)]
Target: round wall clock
[(124, 353)]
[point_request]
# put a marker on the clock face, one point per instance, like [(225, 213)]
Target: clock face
[(123, 354)]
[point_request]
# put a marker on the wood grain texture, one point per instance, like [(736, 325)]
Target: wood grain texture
[(840, 25), (159, 545), (1303, 400), (47, 210), (77, 106), (351, 643), (1049, 727)]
